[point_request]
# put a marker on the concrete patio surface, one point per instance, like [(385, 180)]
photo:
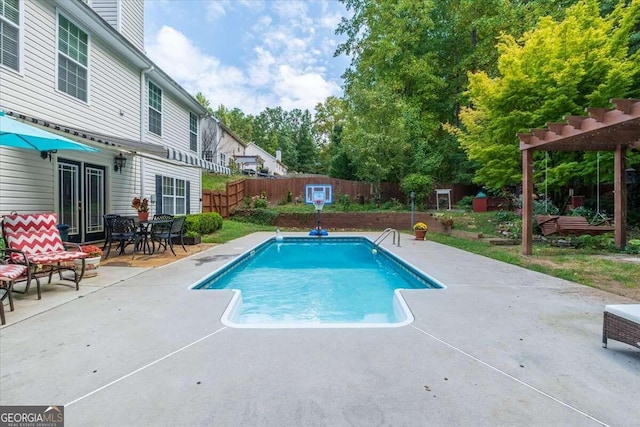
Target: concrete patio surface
[(500, 346)]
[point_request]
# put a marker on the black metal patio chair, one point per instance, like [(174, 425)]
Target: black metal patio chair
[(125, 231), (108, 230), (166, 236)]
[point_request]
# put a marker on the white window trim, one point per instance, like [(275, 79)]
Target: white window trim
[(174, 196), (57, 54), (194, 133), (20, 70), (149, 82)]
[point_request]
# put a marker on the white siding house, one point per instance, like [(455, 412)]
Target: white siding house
[(78, 68), (219, 144), (272, 163)]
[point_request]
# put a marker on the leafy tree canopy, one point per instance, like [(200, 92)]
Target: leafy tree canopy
[(557, 69)]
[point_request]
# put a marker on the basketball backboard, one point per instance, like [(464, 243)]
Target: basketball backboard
[(314, 192)]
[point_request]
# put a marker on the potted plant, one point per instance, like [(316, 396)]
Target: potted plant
[(420, 230), (92, 262), (446, 221), (192, 238), (142, 206)]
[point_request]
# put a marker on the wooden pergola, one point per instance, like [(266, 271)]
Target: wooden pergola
[(603, 129)]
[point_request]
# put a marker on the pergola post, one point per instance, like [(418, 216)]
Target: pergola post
[(620, 197), (603, 129), (527, 202)]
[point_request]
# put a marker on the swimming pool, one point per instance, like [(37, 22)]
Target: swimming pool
[(317, 282)]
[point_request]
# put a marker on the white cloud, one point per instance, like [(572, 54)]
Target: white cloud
[(302, 90), (260, 69), (286, 66), (216, 10), (329, 17)]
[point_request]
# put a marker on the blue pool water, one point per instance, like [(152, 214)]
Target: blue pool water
[(311, 281)]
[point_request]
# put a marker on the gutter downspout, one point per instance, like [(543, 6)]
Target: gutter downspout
[(143, 98)]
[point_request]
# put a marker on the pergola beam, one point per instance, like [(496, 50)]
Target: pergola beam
[(603, 130)]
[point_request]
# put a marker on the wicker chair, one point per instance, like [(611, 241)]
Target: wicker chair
[(622, 323)]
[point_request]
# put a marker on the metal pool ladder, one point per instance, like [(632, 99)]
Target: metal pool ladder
[(384, 235)]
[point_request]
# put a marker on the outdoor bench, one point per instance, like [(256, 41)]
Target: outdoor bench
[(566, 224), (622, 323)]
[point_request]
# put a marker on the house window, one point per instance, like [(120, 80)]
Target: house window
[(73, 59), (193, 132), (208, 155), (155, 109), (9, 32), (174, 196), (223, 159)]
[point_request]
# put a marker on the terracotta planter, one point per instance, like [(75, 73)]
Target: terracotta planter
[(91, 266), (143, 216), (420, 234)]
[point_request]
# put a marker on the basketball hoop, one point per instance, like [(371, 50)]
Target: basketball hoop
[(319, 204)]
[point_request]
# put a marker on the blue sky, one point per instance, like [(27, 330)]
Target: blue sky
[(249, 54)]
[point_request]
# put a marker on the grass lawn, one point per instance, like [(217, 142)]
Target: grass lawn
[(217, 182), (233, 230), (598, 269)]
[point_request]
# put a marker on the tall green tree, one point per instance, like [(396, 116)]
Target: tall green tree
[(202, 100), (328, 122), (306, 149), (555, 70), (240, 123), (409, 74)]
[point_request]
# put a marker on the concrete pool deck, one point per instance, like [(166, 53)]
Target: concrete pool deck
[(500, 346)]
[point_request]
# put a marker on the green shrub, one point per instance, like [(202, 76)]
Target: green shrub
[(246, 202), (192, 224), (210, 222), (344, 201), (203, 223), (582, 211), (506, 216), (260, 203), (420, 184), (466, 203), (542, 208), (392, 204), (633, 246), (601, 242)]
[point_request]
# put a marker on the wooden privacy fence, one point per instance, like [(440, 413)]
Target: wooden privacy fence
[(224, 201), (277, 190)]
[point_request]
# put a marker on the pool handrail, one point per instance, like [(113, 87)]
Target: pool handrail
[(384, 235)]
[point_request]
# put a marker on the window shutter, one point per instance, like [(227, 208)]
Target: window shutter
[(188, 185), (158, 194)]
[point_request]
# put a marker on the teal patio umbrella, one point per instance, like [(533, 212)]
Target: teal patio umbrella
[(16, 134)]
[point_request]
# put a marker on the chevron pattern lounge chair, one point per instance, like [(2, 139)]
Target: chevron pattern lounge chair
[(38, 238), (8, 274)]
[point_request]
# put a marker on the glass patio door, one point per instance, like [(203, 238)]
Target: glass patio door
[(81, 200)]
